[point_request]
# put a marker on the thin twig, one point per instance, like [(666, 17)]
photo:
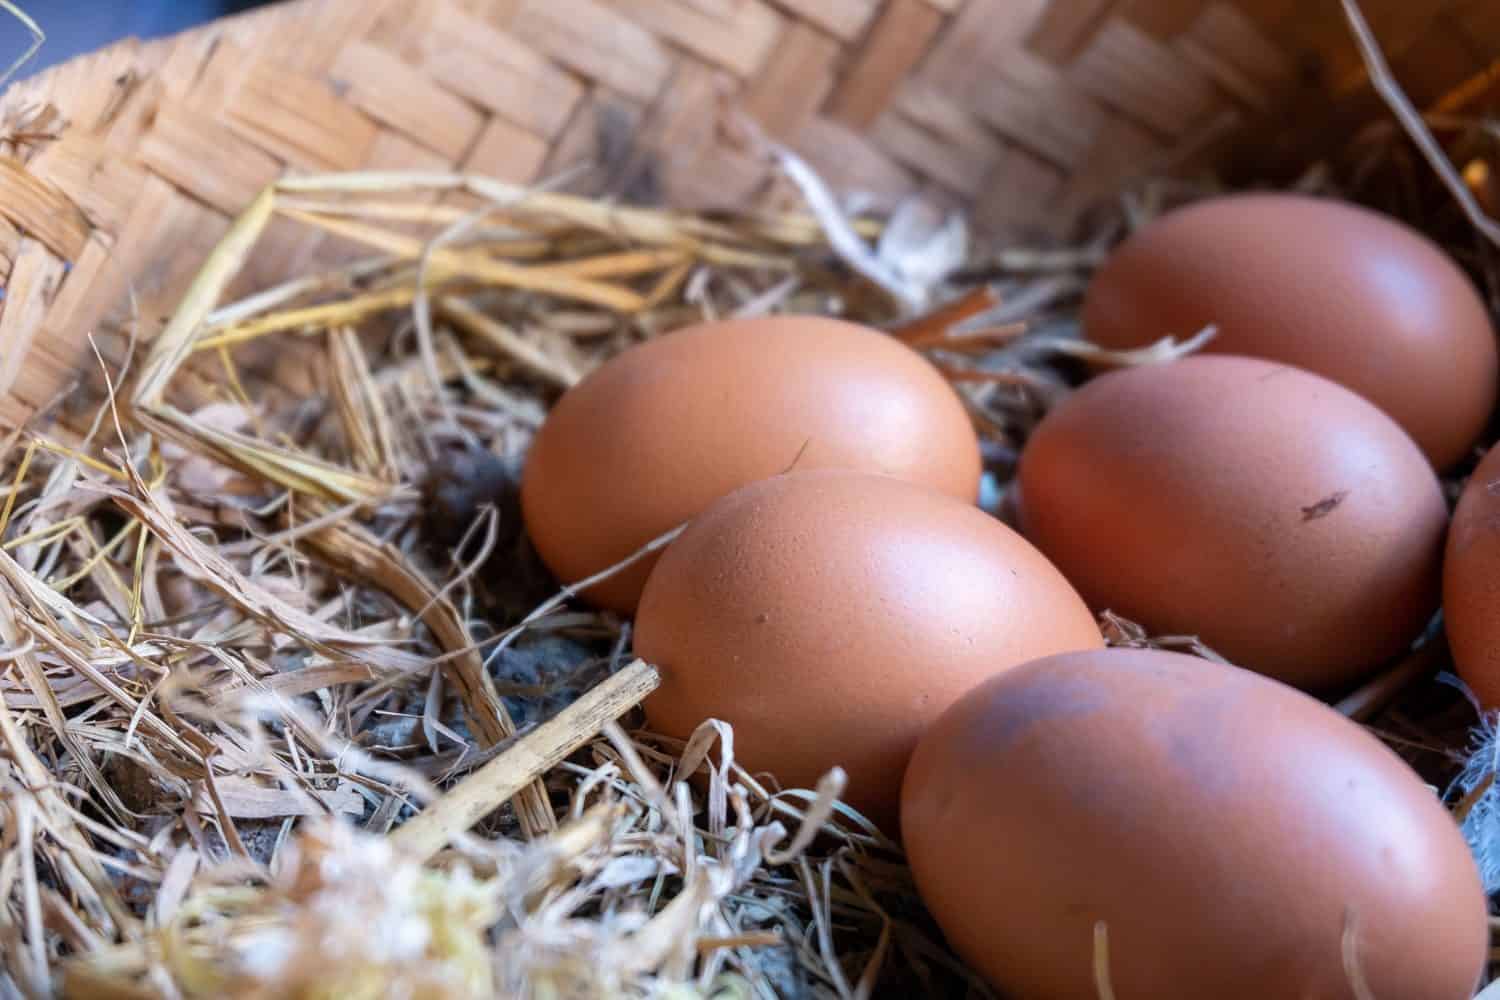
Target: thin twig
[(1386, 85), (572, 590)]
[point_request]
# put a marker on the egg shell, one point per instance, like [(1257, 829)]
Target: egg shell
[(1471, 582), (1327, 286), (1227, 831), (829, 616), (667, 427), (1282, 518)]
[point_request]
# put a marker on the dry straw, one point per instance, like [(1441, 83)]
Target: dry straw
[(219, 617), (270, 729), (255, 738), (229, 629)]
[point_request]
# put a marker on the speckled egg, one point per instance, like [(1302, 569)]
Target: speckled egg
[(1221, 834), (829, 616), (1279, 516), (664, 429), (1342, 291), (1471, 582)]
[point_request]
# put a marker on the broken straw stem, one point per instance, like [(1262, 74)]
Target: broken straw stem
[(526, 760), (1366, 701)]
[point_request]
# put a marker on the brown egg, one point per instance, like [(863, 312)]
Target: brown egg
[(1234, 838), (829, 616), (1279, 516), (1324, 285), (660, 432), (1471, 582)]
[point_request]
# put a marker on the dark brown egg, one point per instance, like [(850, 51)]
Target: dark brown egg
[(1471, 582), (1226, 835), (1281, 517), (1347, 293), (666, 428), (829, 616)]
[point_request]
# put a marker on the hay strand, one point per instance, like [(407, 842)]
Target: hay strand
[(524, 761)]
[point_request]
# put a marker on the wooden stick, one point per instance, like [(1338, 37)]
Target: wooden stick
[(469, 801)]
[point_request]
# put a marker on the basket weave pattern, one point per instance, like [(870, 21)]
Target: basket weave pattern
[(121, 170)]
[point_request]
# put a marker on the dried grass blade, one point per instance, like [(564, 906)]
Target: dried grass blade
[(346, 312), (710, 240), (668, 284), (35, 678), (384, 211), (91, 880), (174, 885), (366, 425), (664, 936), (479, 266), (628, 264), (113, 472), (26, 586), (202, 563), (16, 483), (638, 225), (509, 344), (338, 279), (291, 469), (569, 591), (172, 347), (795, 229), (865, 987), (87, 669), (49, 532), (31, 897)]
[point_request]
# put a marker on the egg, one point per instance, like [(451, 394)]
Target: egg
[(1279, 516), (1232, 837), (661, 431), (1471, 582), (829, 616), (1327, 286)]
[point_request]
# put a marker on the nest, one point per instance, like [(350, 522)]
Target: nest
[(266, 734), (288, 707)]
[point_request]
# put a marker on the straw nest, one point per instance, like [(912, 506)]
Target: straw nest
[(288, 707)]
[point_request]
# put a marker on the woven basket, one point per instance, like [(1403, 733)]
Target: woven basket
[(121, 169)]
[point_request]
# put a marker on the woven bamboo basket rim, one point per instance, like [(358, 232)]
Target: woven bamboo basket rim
[(1022, 113), (124, 170)]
